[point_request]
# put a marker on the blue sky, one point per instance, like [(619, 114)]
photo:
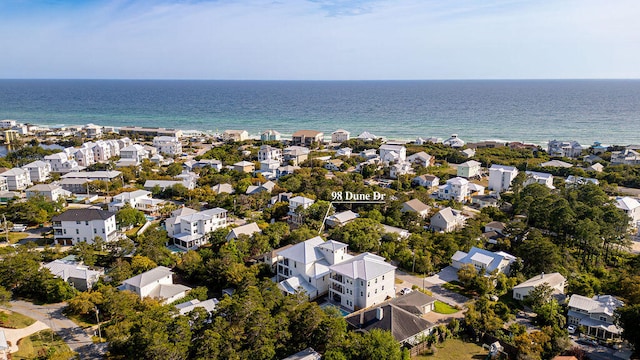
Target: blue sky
[(320, 39)]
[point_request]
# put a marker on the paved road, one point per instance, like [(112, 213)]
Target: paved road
[(440, 293), (51, 315)]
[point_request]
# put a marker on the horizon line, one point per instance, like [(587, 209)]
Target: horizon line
[(324, 80)]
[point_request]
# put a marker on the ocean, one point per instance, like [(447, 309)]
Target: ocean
[(532, 111)]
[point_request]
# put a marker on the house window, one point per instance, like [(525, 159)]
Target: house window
[(77, 231), (86, 223), (382, 287), (376, 291), (361, 283), (64, 231), (77, 222), (95, 231), (368, 294), (361, 293), (382, 277), (602, 318), (376, 280)]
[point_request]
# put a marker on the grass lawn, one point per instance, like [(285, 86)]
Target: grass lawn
[(84, 321), (13, 320), (456, 349), (14, 237), (40, 345), (444, 308)]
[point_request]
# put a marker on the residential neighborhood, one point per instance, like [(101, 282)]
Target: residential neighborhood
[(234, 232)]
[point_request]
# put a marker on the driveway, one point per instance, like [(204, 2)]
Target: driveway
[(446, 275), (438, 292), (51, 315), (14, 335)]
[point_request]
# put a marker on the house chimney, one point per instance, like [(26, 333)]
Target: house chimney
[(379, 313)]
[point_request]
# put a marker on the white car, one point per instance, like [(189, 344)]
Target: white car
[(19, 228), (405, 291), (571, 329)]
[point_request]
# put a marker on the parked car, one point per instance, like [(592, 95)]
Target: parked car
[(405, 291), (571, 329), (19, 228)]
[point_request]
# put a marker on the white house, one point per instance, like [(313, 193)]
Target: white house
[(76, 225), (555, 281), (346, 151), (102, 150), (422, 158), (341, 218), (361, 281), (596, 314), (295, 203), (132, 155), (501, 176), (400, 168), (572, 180), (271, 153), (469, 169), (454, 141), (3, 184), (156, 283), (570, 149), (80, 276), (190, 229), (93, 175), (340, 136), (93, 131), (39, 171), (270, 135), (534, 177), (454, 189), (631, 207), (168, 145), (428, 181), (138, 199), (7, 124), (392, 153), (52, 192), (84, 156), (626, 157), (447, 220), (484, 259), (17, 179)]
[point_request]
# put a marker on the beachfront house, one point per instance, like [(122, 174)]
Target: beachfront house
[(156, 283), (84, 225), (501, 176), (625, 157), (270, 135), (596, 314), (235, 135), (534, 177), (570, 149), (454, 141), (307, 137), (555, 281), (340, 136), (39, 171), (447, 220), (189, 229), (469, 169), (484, 259)]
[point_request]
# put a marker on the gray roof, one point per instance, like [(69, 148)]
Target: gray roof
[(83, 215), (552, 280), (598, 304), (415, 205), (332, 245), (413, 301), (246, 229), (365, 266), (44, 187), (400, 322), (71, 269), (209, 305), (149, 277), (91, 174), (306, 354), (166, 291), (343, 217)]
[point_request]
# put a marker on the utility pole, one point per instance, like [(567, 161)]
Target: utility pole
[(98, 321)]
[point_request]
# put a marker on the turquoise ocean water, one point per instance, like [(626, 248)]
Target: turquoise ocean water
[(516, 110)]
